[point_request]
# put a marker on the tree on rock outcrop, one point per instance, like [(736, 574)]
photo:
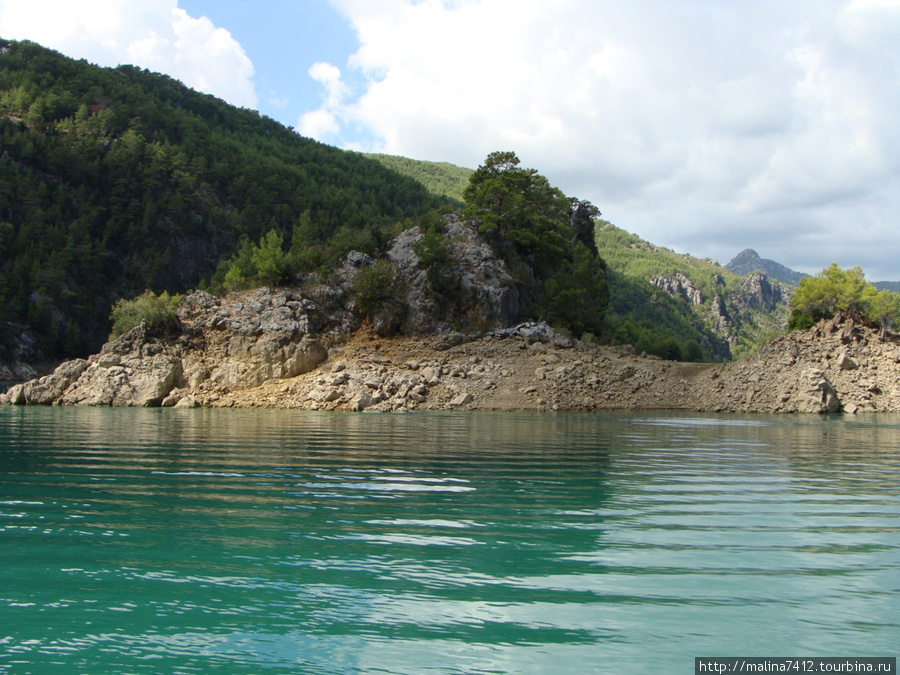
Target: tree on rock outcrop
[(884, 309), (270, 260), (836, 291), (517, 205), (545, 237)]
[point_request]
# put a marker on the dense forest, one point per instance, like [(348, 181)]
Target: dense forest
[(114, 180)]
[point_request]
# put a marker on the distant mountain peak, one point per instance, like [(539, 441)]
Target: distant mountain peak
[(748, 261)]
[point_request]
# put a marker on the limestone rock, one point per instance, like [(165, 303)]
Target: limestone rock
[(365, 401), (188, 402), (820, 395), (679, 286), (480, 282), (138, 382), (844, 362), (49, 388), (463, 398)]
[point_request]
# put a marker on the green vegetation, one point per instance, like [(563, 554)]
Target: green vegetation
[(529, 223), (113, 180), (519, 207), (158, 311), (837, 291), (439, 178), (653, 322), (255, 265), (373, 287)]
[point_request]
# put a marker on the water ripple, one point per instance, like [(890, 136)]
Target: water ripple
[(235, 541)]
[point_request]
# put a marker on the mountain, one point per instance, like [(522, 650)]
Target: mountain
[(748, 261), (887, 286), (117, 180), (113, 180), (658, 294)]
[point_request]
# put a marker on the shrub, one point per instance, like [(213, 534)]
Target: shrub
[(373, 287), (157, 310)]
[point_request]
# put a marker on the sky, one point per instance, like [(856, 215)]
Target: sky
[(705, 126)]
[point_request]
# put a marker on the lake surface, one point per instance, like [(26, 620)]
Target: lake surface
[(222, 541)]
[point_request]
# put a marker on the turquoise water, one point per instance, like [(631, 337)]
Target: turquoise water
[(203, 541)]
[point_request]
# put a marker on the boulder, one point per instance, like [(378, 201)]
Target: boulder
[(15, 395), (49, 388), (464, 398), (138, 382), (365, 401), (820, 395), (844, 362), (187, 402)]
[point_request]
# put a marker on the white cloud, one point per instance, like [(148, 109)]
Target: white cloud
[(153, 34), (319, 124), (704, 125), (330, 77)]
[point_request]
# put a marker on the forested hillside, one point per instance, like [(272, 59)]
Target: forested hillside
[(659, 296), (887, 286), (440, 178), (113, 180)]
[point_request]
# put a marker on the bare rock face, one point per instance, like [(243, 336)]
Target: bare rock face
[(47, 389), (762, 293), (248, 339), (242, 341), (820, 395), (133, 370), (679, 286), (478, 282), (137, 381)]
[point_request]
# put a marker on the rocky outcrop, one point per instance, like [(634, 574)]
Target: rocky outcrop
[(134, 370), (758, 292), (250, 338), (758, 304), (49, 388), (473, 287), (748, 261), (242, 342), (679, 286), (133, 381), (836, 366)]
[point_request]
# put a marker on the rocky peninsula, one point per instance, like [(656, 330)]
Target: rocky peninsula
[(307, 348), (261, 349)]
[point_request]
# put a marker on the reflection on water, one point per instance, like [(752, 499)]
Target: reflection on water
[(277, 541)]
